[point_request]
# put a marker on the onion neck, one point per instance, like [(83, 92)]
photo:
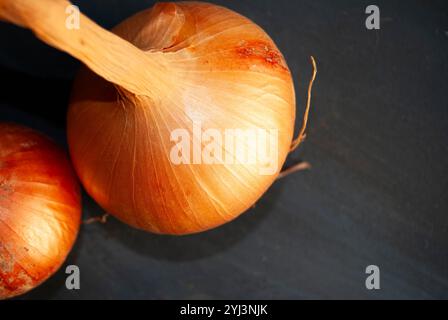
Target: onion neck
[(106, 54)]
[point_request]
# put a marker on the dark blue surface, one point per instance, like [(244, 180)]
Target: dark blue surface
[(377, 140)]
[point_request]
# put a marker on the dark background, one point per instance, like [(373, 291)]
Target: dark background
[(377, 140)]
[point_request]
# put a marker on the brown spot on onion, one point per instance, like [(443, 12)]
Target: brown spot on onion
[(263, 52)]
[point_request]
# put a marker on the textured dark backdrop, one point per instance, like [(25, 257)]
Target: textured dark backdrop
[(377, 193)]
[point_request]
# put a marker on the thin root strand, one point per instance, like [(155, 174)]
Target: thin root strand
[(100, 219), (301, 136), (294, 168)]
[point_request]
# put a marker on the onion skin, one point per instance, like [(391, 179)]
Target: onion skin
[(214, 64), (162, 70), (40, 209)]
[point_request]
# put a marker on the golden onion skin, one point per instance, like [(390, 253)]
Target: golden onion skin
[(40, 209), (222, 69)]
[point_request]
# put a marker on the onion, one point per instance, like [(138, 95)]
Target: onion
[(39, 209), (176, 66)]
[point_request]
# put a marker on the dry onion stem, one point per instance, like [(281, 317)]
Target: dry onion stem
[(160, 70)]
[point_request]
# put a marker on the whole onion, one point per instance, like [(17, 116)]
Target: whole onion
[(39, 209), (164, 69)]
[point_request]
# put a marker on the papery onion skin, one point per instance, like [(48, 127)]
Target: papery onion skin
[(40, 209), (219, 67)]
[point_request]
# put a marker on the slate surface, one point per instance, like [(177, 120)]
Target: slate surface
[(377, 193)]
